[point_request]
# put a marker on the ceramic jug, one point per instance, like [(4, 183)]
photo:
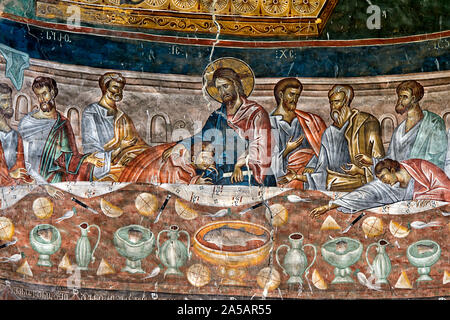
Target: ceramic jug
[(295, 262), (83, 253), (381, 265), (173, 253)]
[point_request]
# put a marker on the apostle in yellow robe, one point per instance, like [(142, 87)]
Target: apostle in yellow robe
[(110, 133)]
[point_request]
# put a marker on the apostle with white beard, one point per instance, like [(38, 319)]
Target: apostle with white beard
[(347, 147)]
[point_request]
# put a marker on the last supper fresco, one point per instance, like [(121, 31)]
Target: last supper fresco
[(245, 149)]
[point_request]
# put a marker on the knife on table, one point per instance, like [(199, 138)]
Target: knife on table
[(251, 208), (7, 244), (162, 207), (84, 205), (353, 222)]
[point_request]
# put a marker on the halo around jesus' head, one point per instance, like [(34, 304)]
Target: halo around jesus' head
[(242, 69)]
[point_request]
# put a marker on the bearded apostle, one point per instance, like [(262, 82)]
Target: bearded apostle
[(348, 147), (12, 164), (108, 132), (413, 179), (296, 134), (422, 134), (51, 153)]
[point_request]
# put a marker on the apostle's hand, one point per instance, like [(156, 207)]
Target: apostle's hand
[(167, 153), (19, 173), (98, 162), (202, 180), (317, 212), (292, 145), (213, 167), (237, 175), (125, 160), (291, 175), (363, 161), (53, 192), (308, 170), (352, 169)]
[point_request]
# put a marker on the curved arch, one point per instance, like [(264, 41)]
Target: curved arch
[(388, 124), (73, 114), (158, 129), (446, 117), (21, 107)]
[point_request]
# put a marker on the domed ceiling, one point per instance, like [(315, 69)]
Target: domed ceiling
[(308, 38)]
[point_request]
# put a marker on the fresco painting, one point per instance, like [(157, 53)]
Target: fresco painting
[(225, 149)]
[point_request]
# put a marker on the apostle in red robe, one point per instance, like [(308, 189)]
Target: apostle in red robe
[(413, 179), (296, 134), (182, 166), (12, 164), (430, 181), (16, 174)]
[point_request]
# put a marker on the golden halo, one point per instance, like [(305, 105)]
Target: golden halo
[(240, 67)]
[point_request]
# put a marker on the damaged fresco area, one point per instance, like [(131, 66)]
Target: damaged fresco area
[(216, 166)]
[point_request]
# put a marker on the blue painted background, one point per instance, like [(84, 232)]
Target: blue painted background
[(136, 55)]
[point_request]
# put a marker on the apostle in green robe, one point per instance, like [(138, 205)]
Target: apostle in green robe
[(422, 135)]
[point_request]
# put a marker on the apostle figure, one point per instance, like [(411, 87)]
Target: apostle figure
[(51, 153), (108, 132), (348, 147), (183, 166), (422, 134), (414, 179), (296, 134), (12, 163), (239, 130)]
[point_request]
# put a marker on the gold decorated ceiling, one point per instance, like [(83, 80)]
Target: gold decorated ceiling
[(231, 17)]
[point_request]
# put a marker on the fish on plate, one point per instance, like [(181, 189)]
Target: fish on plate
[(230, 237)]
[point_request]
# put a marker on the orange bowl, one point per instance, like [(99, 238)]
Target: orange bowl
[(252, 254)]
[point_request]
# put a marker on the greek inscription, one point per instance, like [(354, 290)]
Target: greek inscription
[(285, 54)]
